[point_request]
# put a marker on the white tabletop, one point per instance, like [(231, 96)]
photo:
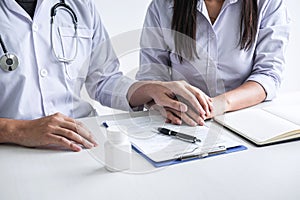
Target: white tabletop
[(271, 172)]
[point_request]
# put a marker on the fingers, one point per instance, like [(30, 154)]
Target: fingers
[(80, 129), (189, 117), (200, 102), (64, 142), (165, 101), (170, 117), (203, 99), (205, 102), (175, 117), (189, 95), (73, 136), (88, 135), (67, 131)]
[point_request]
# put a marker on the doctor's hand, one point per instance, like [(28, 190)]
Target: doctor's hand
[(55, 129), (178, 101), (193, 98)]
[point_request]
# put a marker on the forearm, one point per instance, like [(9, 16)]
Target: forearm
[(248, 94)]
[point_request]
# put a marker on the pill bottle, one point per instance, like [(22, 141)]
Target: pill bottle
[(117, 149)]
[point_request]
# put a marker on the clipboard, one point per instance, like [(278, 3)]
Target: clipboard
[(177, 161), (161, 150)]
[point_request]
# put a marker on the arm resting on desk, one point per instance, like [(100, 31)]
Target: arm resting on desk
[(248, 94), (55, 129)]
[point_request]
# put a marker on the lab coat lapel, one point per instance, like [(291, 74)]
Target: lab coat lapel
[(13, 6)]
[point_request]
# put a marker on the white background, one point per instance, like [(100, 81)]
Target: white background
[(121, 16)]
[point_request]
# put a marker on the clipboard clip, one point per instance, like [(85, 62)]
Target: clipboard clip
[(217, 150)]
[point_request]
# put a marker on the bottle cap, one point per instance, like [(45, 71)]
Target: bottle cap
[(116, 134)]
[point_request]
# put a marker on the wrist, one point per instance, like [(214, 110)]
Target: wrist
[(4, 130), (226, 103), (142, 92), (221, 105), (10, 130)]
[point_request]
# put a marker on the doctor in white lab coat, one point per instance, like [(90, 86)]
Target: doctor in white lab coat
[(41, 97)]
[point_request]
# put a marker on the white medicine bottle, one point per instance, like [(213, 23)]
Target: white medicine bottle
[(117, 149)]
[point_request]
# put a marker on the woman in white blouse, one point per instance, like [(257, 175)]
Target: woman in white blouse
[(232, 50)]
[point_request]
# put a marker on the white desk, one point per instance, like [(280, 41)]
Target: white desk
[(267, 173)]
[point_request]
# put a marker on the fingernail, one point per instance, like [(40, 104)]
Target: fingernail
[(90, 145), (78, 148), (94, 142), (202, 121), (183, 108), (179, 122)]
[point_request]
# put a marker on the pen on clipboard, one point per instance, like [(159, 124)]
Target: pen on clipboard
[(213, 151), (180, 136)]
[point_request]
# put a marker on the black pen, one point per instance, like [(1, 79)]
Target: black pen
[(180, 136)]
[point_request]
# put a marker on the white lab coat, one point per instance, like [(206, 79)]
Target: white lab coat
[(42, 85)]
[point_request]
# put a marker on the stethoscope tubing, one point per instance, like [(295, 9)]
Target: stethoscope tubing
[(9, 61), (62, 5), (74, 19)]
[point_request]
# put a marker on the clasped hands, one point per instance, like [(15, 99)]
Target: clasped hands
[(193, 106)]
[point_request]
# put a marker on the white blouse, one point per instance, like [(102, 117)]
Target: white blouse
[(222, 66)]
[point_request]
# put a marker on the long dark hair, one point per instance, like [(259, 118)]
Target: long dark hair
[(184, 22)]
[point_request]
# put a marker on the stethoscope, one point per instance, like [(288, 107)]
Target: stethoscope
[(10, 62), (62, 5)]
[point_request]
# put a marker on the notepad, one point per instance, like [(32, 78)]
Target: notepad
[(163, 150), (264, 126)]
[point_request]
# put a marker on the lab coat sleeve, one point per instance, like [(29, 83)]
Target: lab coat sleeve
[(272, 41), (154, 54), (105, 83)]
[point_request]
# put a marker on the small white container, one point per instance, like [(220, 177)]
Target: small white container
[(117, 149)]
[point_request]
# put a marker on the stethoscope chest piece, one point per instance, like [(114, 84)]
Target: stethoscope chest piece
[(9, 62)]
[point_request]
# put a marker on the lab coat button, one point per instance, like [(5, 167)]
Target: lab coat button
[(43, 73), (35, 27)]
